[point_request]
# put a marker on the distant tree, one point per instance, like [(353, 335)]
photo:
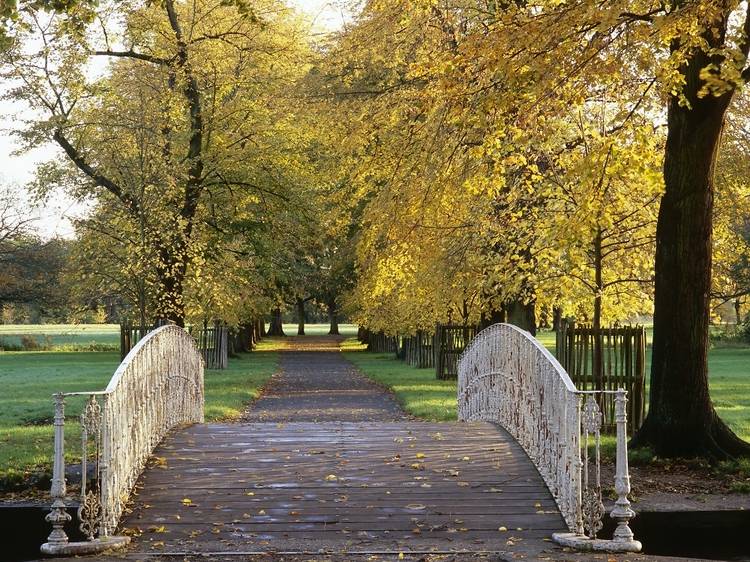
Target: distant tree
[(29, 267)]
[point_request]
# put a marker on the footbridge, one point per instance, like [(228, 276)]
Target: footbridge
[(326, 462)]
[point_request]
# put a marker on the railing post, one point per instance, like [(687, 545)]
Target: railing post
[(58, 516), (622, 513)]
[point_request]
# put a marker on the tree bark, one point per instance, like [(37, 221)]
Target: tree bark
[(556, 318), (738, 311), (494, 316), (276, 328), (300, 316), (522, 315), (333, 318), (681, 420)]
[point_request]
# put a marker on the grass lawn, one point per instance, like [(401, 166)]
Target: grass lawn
[(320, 329), (422, 395), (28, 379), (63, 337)]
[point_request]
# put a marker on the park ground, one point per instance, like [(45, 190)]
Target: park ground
[(74, 358)]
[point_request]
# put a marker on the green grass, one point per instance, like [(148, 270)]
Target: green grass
[(422, 395), (417, 390), (320, 329), (63, 337), (28, 379)]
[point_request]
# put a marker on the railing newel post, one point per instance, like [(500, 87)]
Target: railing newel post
[(622, 513), (58, 516)]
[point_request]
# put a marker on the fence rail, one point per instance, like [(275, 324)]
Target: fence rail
[(158, 386), (607, 359), (506, 376)]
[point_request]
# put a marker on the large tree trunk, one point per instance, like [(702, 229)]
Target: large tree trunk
[(681, 420), (333, 318), (522, 315), (276, 328), (556, 318), (300, 316), (494, 316)]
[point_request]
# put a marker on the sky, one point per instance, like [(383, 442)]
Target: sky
[(54, 217)]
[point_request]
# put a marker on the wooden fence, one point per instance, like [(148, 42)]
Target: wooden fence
[(440, 350), (622, 364), (131, 334), (450, 341), (213, 345), (418, 350), (378, 342), (212, 341)]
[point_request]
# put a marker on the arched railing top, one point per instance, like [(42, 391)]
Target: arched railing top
[(159, 385), (507, 376)]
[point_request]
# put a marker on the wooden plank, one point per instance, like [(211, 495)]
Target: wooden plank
[(271, 483)]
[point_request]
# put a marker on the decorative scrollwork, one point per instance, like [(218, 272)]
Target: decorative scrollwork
[(506, 376), (90, 514), (91, 417), (591, 417), (593, 511)]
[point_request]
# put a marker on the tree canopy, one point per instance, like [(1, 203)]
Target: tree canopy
[(460, 161)]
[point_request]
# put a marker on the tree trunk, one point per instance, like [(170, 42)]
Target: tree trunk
[(598, 364), (493, 317), (300, 316), (738, 311), (522, 315), (276, 328), (681, 420), (333, 319), (556, 318)]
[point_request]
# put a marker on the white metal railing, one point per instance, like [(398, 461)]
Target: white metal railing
[(506, 376), (159, 385)]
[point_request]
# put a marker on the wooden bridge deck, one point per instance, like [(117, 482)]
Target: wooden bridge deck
[(350, 487)]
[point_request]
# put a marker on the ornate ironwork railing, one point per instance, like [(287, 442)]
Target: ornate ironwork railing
[(159, 385), (506, 376)]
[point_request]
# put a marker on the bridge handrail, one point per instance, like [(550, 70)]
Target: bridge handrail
[(506, 376), (159, 385)]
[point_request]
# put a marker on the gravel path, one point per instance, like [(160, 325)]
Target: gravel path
[(316, 383)]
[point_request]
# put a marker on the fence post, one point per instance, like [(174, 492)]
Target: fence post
[(58, 516)]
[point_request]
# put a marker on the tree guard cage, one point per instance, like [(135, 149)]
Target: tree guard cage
[(450, 341), (622, 364)]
